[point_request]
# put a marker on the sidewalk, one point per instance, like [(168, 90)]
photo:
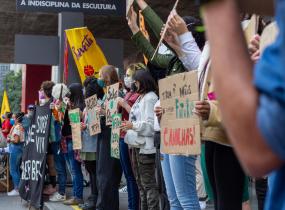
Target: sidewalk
[(15, 203)]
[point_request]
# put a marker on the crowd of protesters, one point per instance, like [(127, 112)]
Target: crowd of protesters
[(242, 105)]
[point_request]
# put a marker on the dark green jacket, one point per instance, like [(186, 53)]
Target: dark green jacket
[(168, 61)]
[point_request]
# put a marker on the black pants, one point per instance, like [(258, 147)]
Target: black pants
[(109, 173), (261, 186), (226, 176), (91, 168)]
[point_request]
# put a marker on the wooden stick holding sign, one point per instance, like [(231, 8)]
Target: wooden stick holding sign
[(180, 127), (164, 32), (115, 135), (92, 116), (111, 102), (74, 117)]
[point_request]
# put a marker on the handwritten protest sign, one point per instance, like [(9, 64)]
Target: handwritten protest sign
[(34, 157), (111, 102), (74, 117), (93, 118), (252, 27), (180, 127), (268, 36), (115, 136)]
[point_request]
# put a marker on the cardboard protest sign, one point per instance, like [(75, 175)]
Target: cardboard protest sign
[(34, 157), (74, 117), (251, 28), (115, 135), (93, 118), (180, 127), (111, 102), (268, 35)]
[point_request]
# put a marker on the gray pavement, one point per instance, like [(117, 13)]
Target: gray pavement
[(15, 203)]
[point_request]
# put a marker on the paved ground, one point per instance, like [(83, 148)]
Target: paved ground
[(15, 203)]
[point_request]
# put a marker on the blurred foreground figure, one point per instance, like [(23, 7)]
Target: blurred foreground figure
[(256, 125)]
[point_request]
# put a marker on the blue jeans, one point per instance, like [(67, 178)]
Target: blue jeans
[(75, 170), (16, 151), (180, 180), (60, 166), (133, 192)]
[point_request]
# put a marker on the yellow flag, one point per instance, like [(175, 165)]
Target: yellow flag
[(88, 56), (5, 104)]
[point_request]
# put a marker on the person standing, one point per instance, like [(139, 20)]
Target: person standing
[(109, 170), (6, 125), (140, 136), (89, 143), (16, 140), (126, 104), (72, 157)]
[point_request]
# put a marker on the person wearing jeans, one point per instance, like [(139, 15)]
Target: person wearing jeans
[(60, 166), (76, 173), (179, 176), (16, 139), (125, 106)]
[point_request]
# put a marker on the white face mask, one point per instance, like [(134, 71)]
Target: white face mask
[(128, 82)]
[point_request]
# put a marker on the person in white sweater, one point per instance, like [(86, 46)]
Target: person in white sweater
[(140, 136)]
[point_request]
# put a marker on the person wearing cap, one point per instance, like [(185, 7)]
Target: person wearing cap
[(16, 139)]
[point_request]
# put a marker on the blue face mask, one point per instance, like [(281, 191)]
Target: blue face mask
[(12, 121), (101, 83)]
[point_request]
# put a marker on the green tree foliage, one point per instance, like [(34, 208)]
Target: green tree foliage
[(13, 86)]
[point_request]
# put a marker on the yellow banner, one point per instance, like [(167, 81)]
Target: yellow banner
[(88, 56), (5, 104)]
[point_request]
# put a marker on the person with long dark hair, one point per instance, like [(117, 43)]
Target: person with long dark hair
[(109, 170), (16, 139), (72, 157), (89, 143), (140, 136)]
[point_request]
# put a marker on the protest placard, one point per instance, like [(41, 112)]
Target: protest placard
[(74, 117), (93, 118), (34, 157), (268, 36), (251, 29), (115, 136), (111, 102), (180, 127)]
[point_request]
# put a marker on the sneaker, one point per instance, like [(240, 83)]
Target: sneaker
[(56, 197), (203, 204), (49, 190), (13, 193), (124, 190), (73, 201)]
